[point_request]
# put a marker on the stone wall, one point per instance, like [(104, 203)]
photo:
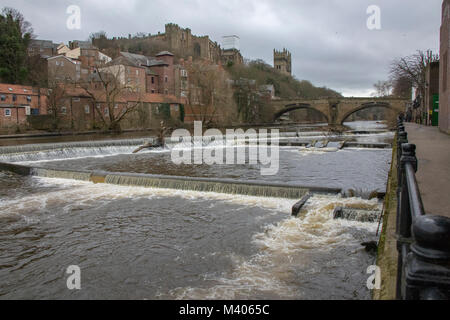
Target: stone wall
[(444, 70)]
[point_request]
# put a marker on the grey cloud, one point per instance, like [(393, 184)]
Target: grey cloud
[(329, 41)]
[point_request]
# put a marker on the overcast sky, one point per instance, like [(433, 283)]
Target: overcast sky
[(329, 39)]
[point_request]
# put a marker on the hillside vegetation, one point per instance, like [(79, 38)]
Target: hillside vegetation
[(285, 86)]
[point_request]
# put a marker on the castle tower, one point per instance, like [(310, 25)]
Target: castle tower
[(282, 61)]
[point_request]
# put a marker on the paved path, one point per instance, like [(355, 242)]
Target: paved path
[(433, 174)]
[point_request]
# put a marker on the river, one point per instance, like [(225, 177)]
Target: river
[(153, 243)]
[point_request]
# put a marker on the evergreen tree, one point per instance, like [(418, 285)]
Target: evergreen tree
[(15, 36)]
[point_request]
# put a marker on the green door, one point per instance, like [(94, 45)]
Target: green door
[(435, 113)]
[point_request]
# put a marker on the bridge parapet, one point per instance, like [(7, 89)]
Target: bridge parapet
[(337, 110)]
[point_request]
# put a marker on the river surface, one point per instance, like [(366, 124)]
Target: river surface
[(149, 243)]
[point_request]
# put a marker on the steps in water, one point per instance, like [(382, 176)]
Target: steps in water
[(362, 215)]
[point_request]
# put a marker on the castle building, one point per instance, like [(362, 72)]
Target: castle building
[(183, 44), (282, 61)]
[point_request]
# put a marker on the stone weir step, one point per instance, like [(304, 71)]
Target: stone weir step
[(347, 144), (230, 186)]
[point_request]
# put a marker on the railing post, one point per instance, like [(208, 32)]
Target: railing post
[(408, 156), (428, 264), (404, 220)]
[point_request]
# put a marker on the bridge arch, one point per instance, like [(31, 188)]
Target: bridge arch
[(297, 106), (367, 106)]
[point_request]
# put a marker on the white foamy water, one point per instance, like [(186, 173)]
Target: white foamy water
[(285, 249), (245, 247)]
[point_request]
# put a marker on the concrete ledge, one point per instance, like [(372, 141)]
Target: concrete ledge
[(387, 246)]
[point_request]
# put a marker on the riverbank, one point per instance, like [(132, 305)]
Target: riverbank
[(387, 246), (433, 174)]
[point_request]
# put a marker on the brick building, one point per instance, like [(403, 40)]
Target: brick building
[(64, 69), (79, 111), (150, 74), (444, 70), (17, 102)]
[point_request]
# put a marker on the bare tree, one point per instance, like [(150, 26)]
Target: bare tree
[(56, 95), (110, 89), (412, 69), (383, 88), (401, 87), (210, 98)]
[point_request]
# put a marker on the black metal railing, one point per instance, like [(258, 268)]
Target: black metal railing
[(423, 240)]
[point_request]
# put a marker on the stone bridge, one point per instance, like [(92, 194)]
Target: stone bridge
[(337, 110)]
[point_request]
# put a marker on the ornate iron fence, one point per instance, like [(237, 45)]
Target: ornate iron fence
[(423, 240)]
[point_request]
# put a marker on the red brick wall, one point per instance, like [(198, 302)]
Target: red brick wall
[(152, 87), (17, 107), (135, 77)]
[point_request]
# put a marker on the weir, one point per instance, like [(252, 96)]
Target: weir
[(209, 185), (251, 188), (62, 174)]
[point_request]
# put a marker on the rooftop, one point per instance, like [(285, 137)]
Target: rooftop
[(141, 60)]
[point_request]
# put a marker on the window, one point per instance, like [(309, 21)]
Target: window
[(7, 112), (166, 91), (137, 72), (62, 63), (76, 100), (153, 91), (3, 97), (14, 97), (57, 63), (63, 110), (153, 79), (29, 98), (106, 111), (165, 79), (116, 106), (87, 109)]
